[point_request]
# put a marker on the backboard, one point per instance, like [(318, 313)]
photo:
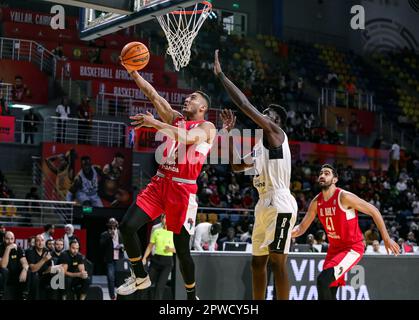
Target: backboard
[(96, 23)]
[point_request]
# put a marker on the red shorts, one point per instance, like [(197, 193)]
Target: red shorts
[(342, 260), (175, 199)]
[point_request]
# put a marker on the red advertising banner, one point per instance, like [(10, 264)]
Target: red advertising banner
[(22, 234), (7, 129), (88, 71), (358, 158), (106, 182), (173, 96), (33, 18)]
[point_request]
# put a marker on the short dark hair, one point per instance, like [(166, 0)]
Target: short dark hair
[(329, 166), (206, 97), (215, 229), (48, 226), (119, 155), (281, 111), (74, 241), (18, 77), (85, 158)]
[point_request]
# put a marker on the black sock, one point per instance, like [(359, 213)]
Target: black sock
[(138, 268), (190, 293)]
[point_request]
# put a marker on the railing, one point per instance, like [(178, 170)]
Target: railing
[(23, 135), (28, 50), (109, 104), (79, 131), (341, 98), (24, 212)]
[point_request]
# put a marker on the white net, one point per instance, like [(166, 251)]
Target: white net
[(181, 28)]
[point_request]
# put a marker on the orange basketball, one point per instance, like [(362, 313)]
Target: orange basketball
[(135, 54)]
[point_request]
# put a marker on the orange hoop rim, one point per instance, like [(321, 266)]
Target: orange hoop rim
[(192, 12)]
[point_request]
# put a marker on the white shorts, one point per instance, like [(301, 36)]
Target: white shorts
[(275, 217)]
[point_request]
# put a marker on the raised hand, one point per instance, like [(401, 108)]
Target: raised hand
[(228, 118)]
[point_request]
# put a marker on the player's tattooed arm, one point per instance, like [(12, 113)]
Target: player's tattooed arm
[(351, 201), (165, 111), (238, 164), (300, 229), (241, 101)]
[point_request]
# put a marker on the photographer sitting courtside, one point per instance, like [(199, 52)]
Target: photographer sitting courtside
[(77, 280), (13, 269)]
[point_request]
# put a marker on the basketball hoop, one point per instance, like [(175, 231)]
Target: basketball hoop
[(181, 27)]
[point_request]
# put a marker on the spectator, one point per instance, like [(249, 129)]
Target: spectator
[(111, 188), (376, 247), (39, 259), (230, 237), (401, 185), (85, 186), (4, 107), (233, 187), (77, 280), (49, 244), (206, 235), (63, 112), (59, 52), (20, 91), (13, 269), (371, 234), (245, 220), (49, 230), (2, 232), (30, 126), (58, 250), (112, 248), (85, 115), (69, 236), (411, 240), (320, 244), (247, 236), (31, 243), (395, 155), (162, 261)]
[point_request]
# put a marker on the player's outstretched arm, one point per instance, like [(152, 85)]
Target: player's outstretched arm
[(238, 164), (300, 229), (205, 132), (351, 201), (241, 101), (165, 111)]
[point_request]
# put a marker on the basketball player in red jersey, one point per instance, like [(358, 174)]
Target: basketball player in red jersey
[(173, 189), (337, 210)]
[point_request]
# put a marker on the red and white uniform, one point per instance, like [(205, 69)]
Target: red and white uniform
[(172, 190), (345, 237)]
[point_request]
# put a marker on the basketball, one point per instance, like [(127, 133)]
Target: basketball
[(135, 54)]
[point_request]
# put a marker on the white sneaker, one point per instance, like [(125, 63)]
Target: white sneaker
[(133, 284)]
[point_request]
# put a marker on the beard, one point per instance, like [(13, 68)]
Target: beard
[(325, 185)]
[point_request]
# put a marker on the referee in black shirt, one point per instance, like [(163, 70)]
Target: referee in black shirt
[(76, 278), (13, 269)]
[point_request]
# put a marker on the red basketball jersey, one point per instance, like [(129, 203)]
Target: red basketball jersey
[(180, 160), (341, 225)]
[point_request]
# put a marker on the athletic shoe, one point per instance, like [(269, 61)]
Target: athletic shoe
[(133, 284)]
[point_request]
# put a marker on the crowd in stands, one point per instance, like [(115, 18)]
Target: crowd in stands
[(394, 193)]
